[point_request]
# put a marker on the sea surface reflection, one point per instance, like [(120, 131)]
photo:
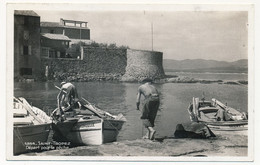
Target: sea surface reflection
[(117, 98)]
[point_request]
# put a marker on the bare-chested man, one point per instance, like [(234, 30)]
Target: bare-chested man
[(67, 97), (151, 105), (68, 94)]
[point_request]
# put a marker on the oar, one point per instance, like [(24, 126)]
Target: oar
[(88, 105), (225, 107), (118, 117), (27, 106), (94, 108), (58, 100)]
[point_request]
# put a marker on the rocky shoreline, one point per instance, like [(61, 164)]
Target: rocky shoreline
[(184, 79), (223, 145), (90, 77)]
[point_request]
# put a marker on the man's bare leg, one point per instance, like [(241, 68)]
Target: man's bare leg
[(151, 133)]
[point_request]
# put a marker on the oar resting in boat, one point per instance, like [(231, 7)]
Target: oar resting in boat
[(227, 113), (100, 113), (97, 110), (103, 113), (28, 108)]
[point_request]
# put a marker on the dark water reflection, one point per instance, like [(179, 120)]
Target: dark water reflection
[(120, 98)]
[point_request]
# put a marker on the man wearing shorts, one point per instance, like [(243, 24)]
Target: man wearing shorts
[(150, 107)]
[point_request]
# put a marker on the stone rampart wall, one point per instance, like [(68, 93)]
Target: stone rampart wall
[(96, 64), (104, 60), (106, 64), (143, 64)]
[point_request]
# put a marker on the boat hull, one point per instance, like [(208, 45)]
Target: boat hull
[(111, 130), (86, 132), (89, 131), (80, 132), (229, 125), (26, 136)]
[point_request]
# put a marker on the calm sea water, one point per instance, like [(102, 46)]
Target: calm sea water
[(120, 98)]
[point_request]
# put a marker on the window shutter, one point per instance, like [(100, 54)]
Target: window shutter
[(21, 49), (29, 50), (26, 34), (58, 54)]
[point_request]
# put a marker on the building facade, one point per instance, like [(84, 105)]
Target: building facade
[(54, 45), (75, 30), (26, 45)]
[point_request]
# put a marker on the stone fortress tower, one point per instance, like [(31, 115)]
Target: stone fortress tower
[(143, 64)]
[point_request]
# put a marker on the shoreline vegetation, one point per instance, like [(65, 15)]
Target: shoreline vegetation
[(119, 78)]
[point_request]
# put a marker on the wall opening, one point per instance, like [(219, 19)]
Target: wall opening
[(26, 71), (27, 50)]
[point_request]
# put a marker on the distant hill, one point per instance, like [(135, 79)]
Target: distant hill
[(200, 65)]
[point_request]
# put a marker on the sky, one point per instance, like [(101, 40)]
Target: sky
[(210, 35)]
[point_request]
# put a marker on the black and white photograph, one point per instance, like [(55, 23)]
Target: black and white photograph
[(126, 82)]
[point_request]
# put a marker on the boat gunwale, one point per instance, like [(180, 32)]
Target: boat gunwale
[(228, 123), (32, 125)]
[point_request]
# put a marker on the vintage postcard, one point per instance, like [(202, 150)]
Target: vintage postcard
[(130, 82)]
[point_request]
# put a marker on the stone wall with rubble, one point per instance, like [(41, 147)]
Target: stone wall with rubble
[(95, 64), (105, 64), (143, 64)]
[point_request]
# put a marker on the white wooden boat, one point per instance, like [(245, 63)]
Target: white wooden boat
[(31, 125), (208, 113), (89, 126)]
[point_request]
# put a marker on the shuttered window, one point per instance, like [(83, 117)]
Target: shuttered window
[(26, 71), (26, 34), (27, 50)]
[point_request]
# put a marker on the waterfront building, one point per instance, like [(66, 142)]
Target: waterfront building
[(62, 39), (75, 30), (26, 44), (54, 45)]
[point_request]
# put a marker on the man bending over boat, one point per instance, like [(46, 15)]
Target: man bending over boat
[(150, 107), (67, 97)]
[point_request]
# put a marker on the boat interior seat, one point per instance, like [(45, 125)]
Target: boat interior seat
[(208, 109), (22, 121), (205, 104), (19, 112)]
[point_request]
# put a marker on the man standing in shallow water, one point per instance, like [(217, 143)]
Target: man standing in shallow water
[(150, 107)]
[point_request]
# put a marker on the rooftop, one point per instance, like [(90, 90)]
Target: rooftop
[(57, 24), (75, 41), (72, 21), (26, 13), (55, 36), (50, 24)]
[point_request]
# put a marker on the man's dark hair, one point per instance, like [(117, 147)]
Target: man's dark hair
[(147, 80)]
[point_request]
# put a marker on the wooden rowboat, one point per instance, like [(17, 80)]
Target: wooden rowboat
[(31, 126), (217, 116), (89, 125)]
